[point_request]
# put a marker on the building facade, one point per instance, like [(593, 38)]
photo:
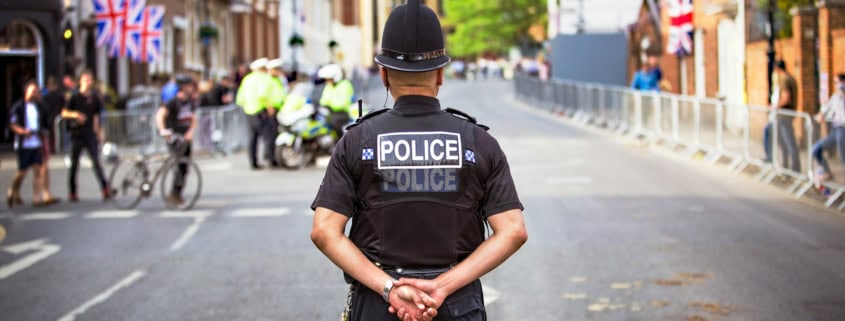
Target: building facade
[(31, 48)]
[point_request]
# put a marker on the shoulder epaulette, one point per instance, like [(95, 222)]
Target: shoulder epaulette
[(465, 116), (367, 116)]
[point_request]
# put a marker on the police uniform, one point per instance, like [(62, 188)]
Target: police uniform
[(255, 95), (418, 181)]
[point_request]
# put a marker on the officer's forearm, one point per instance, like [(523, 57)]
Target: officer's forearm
[(509, 235), (327, 234)]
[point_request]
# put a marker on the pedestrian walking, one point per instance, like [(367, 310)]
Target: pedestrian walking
[(254, 96), (784, 98), (54, 100), (28, 121), (647, 78), (834, 114), (83, 113), (419, 219), (178, 117)]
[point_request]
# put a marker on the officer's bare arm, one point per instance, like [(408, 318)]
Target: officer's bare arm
[(508, 236), (327, 234)]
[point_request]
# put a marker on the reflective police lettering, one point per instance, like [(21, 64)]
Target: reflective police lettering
[(419, 180), (419, 150)]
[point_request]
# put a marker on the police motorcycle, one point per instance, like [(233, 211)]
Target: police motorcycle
[(304, 133)]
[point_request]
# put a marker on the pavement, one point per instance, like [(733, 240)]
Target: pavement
[(616, 232)]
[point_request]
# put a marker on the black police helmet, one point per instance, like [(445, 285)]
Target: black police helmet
[(412, 40), (183, 80)]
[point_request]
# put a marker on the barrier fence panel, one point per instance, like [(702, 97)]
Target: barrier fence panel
[(729, 132), (219, 129)]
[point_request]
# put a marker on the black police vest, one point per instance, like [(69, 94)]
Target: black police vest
[(419, 190)]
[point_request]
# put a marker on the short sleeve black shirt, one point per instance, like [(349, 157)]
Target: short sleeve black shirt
[(90, 105), (340, 183), (180, 114)]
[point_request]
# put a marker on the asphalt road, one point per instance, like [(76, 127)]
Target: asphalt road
[(616, 232)]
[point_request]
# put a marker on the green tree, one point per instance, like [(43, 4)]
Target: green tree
[(482, 26), (783, 18)]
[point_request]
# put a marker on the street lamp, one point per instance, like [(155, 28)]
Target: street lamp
[(770, 53)]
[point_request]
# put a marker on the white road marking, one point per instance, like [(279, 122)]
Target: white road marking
[(44, 251), (188, 234), (186, 214), (111, 214), (580, 180), (102, 297), (45, 216), (490, 294), (261, 212)]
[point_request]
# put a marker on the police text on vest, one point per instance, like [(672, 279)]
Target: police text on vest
[(419, 150)]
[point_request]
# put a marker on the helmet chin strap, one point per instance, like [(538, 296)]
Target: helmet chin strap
[(387, 88)]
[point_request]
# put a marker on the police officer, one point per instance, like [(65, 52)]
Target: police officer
[(255, 97), (337, 96), (418, 182)]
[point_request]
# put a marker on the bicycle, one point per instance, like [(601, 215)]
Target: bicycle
[(131, 179)]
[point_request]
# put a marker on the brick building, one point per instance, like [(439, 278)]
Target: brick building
[(31, 48), (246, 29), (729, 59)]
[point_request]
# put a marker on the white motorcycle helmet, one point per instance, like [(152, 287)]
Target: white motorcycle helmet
[(110, 153), (331, 71)]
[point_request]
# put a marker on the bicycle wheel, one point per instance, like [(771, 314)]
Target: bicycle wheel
[(185, 198), (127, 180)]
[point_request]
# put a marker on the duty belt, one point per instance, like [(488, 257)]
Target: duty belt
[(415, 269)]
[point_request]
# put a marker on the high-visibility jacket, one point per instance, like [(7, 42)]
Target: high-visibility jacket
[(293, 103), (338, 97), (278, 92), (255, 93)]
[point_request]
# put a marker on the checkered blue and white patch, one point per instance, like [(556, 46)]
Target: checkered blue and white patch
[(469, 156), (367, 154)]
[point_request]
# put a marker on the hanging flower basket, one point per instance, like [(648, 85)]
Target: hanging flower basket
[(296, 41), (208, 31)]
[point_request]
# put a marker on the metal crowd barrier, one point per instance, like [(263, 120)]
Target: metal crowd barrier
[(220, 130), (709, 127)]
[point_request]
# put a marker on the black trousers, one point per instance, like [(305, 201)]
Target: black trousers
[(466, 304), (261, 126), (89, 143), (339, 120), (182, 169)]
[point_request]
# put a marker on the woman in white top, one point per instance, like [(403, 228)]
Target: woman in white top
[(834, 113)]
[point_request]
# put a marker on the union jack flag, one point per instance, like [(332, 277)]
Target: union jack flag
[(148, 34), (680, 28), (129, 28), (110, 15), (122, 45)]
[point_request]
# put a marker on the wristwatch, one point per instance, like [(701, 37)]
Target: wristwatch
[(385, 292)]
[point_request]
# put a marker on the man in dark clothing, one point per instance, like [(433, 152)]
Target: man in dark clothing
[(178, 117), (83, 113), (54, 101), (29, 124)]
